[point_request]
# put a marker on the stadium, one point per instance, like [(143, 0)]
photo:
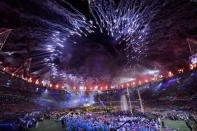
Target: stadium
[(98, 65)]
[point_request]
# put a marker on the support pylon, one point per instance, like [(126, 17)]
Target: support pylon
[(140, 99), (4, 33)]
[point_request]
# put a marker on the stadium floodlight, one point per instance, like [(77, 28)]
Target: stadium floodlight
[(193, 59), (151, 72), (193, 50)]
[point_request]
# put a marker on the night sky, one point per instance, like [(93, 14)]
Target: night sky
[(56, 35)]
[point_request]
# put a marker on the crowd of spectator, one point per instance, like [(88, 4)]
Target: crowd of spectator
[(175, 93), (22, 121), (23, 100)]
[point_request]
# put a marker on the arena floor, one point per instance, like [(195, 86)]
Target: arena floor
[(52, 125), (48, 125), (177, 125)]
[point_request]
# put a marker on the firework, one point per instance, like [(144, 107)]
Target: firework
[(126, 22)]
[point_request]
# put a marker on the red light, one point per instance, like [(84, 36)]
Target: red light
[(139, 82), (37, 82), (57, 86), (29, 80), (170, 74)]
